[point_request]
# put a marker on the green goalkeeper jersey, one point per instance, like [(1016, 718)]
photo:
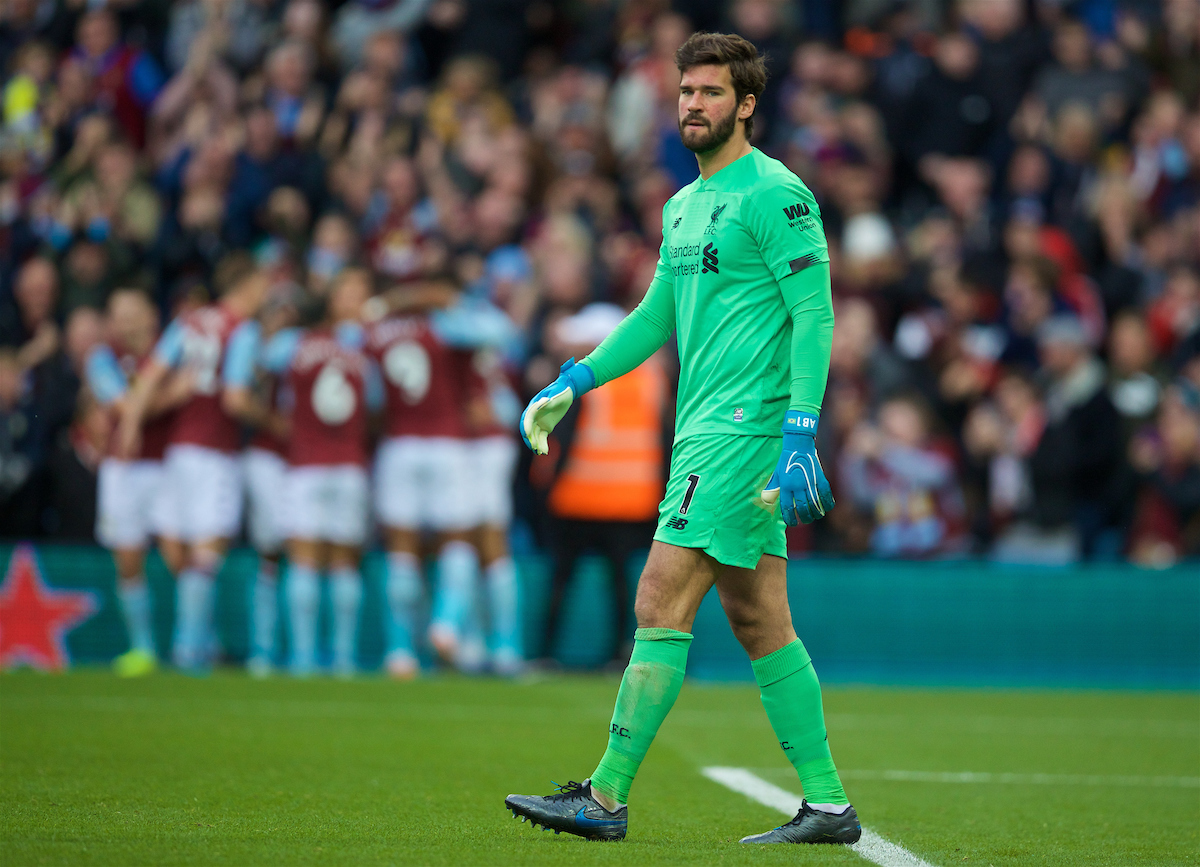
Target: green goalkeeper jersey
[(743, 263)]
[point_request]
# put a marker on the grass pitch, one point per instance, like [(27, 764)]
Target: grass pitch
[(225, 770)]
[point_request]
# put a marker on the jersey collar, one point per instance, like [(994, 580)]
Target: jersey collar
[(745, 158)]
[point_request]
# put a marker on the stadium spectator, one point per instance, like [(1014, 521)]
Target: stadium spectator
[(895, 471), (1166, 525), (950, 113), (1076, 478), (125, 80)]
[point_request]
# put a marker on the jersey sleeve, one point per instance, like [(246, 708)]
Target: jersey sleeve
[(241, 354), (104, 376), (473, 326), (373, 389), (809, 300), (169, 349), (277, 353), (638, 336), (785, 221)]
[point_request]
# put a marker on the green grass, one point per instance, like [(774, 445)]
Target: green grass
[(170, 770)]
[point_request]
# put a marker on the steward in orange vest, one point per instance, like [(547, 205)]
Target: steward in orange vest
[(610, 475), (612, 470)]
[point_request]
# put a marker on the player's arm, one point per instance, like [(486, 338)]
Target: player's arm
[(237, 391), (274, 356), (473, 325), (640, 335), (410, 298), (105, 379), (176, 390), (809, 299), (793, 247), (136, 407)]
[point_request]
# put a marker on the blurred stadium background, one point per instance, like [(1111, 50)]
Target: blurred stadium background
[(1011, 193)]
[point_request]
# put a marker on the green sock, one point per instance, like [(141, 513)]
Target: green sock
[(648, 690), (791, 696)]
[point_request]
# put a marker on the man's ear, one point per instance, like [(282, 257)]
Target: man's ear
[(747, 107)]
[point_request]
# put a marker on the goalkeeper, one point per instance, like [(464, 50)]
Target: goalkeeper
[(743, 277)]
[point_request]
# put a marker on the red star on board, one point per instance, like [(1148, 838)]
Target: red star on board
[(34, 618)]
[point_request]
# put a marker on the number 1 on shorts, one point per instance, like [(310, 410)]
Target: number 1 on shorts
[(693, 480)]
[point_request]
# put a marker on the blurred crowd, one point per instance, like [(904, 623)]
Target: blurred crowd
[(1010, 189)]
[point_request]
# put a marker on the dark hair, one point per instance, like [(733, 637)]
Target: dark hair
[(232, 269), (747, 69)]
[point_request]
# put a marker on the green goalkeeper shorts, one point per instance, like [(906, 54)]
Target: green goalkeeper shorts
[(714, 499)]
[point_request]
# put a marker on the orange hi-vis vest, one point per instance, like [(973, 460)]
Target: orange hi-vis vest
[(613, 471)]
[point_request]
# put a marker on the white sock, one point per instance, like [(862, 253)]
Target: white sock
[(458, 564), (403, 590), (135, 606), (836, 809), (501, 577), (347, 592), (303, 600), (264, 608), (193, 618)]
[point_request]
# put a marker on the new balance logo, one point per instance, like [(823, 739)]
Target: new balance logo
[(710, 260), (675, 225), (797, 210), (677, 523)]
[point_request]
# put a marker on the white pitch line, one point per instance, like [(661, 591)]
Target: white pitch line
[(1024, 779), (871, 846)]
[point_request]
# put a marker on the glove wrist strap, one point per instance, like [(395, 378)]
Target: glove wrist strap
[(581, 377), (797, 422)]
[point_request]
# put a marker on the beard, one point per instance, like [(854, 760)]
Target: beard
[(702, 141)]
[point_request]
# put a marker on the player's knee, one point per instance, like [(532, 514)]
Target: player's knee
[(654, 609), (646, 611), (745, 618), (206, 559)]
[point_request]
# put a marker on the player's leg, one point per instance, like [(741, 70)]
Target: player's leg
[(398, 510), (166, 524), (497, 456), (134, 595), (346, 592), (123, 512), (265, 474), (451, 515), (503, 603), (264, 614), (405, 592), (209, 496), (173, 551), (306, 554), (756, 604), (672, 586), (345, 524), (673, 583), (194, 601), (302, 589)]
